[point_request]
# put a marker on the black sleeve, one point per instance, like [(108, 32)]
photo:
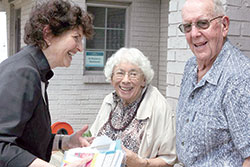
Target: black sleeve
[(18, 89)]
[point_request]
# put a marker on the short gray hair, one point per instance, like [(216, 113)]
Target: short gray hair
[(218, 8), (130, 55)]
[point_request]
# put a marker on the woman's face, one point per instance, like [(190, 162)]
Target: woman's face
[(128, 81), (64, 46)]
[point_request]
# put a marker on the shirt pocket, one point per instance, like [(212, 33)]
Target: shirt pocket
[(214, 129)]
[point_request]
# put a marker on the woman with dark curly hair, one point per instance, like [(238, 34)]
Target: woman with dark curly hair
[(53, 34)]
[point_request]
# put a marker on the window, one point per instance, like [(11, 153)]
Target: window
[(109, 27), (17, 30)]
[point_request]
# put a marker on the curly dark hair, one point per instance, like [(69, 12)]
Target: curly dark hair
[(60, 16)]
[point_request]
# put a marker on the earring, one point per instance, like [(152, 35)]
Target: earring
[(48, 43)]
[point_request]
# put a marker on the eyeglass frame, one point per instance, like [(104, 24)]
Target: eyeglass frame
[(138, 73), (182, 26)]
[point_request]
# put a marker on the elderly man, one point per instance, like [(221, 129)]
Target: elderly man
[(213, 113)]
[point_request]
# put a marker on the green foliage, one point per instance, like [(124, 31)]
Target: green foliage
[(87, 134)]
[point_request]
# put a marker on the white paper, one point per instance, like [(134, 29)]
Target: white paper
[(105, 152)]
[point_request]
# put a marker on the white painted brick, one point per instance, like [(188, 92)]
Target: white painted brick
[(179, 42), (172, 30), (236, 13), (174, 17), (234, 2), (235, 28), (183, 55), (171, 55), (170, 79), (175, 67), (173, 91), (246, 29), (173, 5), (241, 43), (180, 4)]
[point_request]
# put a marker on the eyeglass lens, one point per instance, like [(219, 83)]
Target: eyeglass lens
[(121, 74), (201, 24)]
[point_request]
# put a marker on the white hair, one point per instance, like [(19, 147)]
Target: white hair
[(218, 8), (130, 55)]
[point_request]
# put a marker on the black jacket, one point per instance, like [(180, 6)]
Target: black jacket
[(25, 122)]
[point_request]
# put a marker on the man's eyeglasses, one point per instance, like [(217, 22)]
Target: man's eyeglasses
[(200, 24), (132, 75)]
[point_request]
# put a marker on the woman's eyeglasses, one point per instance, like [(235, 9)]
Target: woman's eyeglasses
[(132, 75), (200, 24)]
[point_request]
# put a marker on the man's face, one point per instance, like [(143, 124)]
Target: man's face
[(204, 43)]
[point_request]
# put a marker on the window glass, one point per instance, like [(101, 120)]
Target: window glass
[(109, 27), (99, 16), (115, 39), (98, 41), (116, 18)]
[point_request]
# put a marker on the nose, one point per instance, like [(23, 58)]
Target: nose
[(125, 78), (195, 31), (79, 46)]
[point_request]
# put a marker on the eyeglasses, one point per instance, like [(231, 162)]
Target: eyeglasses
[(132, 75), (200, 24)]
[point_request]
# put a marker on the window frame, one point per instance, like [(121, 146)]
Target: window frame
[(98, 76)]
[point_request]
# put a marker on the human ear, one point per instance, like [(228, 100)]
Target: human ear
[(47, 35), (225, 25), (143, 84)]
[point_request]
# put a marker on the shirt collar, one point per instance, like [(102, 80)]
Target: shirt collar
[(213, 75), (42, 63)]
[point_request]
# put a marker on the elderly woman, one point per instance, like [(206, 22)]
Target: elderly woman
[(136, 112), (54, 34)]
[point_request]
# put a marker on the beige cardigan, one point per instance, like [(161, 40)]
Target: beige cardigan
[(159, 137)]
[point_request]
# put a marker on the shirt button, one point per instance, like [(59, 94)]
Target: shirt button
[(182, 143), (187, 120), (192, 96)]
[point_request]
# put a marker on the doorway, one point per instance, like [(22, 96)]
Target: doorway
[(3, 35)]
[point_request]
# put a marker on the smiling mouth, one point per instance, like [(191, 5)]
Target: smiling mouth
[(125, 89), (71, 54), (200, 44)]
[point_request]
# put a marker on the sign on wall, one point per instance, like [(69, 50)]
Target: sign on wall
[(94, 59)]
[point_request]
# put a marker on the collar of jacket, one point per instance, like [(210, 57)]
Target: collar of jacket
[(42, 63)]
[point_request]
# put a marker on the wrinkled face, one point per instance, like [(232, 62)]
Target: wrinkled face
[(66, 45), (204, 43), (128, 81)]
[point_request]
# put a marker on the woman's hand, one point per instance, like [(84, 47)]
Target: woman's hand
[(133, 160), (76, 139)]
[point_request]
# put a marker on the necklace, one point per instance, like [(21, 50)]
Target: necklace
[(130, 120)]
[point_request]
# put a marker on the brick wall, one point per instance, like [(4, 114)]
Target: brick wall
[(144, 32), (163, 48), (179, 52), (239, 32)]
